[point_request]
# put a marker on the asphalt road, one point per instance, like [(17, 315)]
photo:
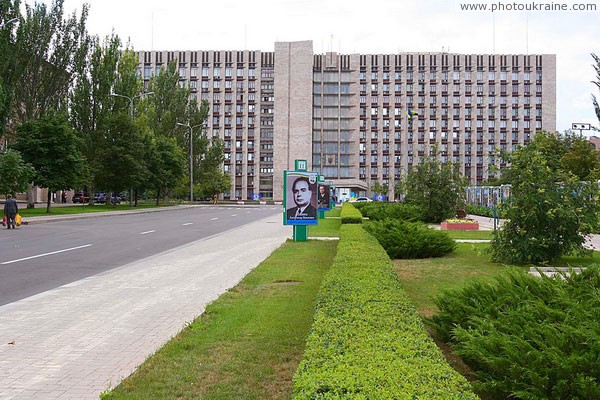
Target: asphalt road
[(35, 258)]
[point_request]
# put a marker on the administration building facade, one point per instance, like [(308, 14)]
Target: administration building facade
[(362, 118)]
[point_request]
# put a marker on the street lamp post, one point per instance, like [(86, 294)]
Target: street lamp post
[(191, 159), (131, 114), (10, 21)]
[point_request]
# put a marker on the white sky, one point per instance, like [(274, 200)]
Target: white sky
[(367, 26)]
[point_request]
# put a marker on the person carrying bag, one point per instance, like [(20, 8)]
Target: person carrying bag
[(11, 209)]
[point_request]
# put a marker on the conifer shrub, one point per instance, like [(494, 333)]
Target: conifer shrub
[(380, 211), (527, 337), (402, 239)]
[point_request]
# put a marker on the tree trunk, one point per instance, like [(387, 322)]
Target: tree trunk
[(30, 199), (157, 197), (91, 194), (48, 204), (136, 197)]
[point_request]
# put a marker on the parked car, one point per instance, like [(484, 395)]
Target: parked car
[(363, 200), (99, 197), (80, 198)]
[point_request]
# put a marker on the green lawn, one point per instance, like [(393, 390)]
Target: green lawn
[(334, 212), (424, 279), (249, 342), (477, 235), (325, 228)]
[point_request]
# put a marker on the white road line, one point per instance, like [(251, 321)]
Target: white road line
[(248, 212), (145, 233), (214, 219), (45, 254), (234, 215), (188, 223)]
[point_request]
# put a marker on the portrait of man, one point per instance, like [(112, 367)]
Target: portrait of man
[(302, 194), (323, 197)]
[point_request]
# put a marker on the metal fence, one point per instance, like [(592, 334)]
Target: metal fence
[(487, 196)]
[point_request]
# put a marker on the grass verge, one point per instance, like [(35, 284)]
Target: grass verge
[(476, 235), (78, 209), (248, 342)]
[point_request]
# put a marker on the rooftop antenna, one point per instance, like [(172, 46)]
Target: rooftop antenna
[(331, 44), (152, 35), (493, 33), (526, 33)]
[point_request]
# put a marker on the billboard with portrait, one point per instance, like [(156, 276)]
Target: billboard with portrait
[(324, 196), (300, 198)]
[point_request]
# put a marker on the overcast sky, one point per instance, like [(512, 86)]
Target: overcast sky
[(368, 26)]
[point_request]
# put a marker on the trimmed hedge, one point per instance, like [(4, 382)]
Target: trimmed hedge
[(484, 211), (377, 211), (402, 239), (527, 337), (350, 215), (367, 340)]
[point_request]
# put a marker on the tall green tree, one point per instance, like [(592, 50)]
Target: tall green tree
[(9, 11), (15, 173), (597, 84), (435, 186), (211, 179), (91, 102), (166, 165), (550, 210), (120, 157), (50, 55), (171, 104), (51, 146)]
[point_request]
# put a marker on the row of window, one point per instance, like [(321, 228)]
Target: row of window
[(455, 75)]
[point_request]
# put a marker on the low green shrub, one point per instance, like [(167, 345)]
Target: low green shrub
[(380, 211), (367, 340), (485, 211), (527, 337), (350, 215), (402, 239), (480, 210)]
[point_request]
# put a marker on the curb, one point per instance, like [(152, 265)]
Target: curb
[(102, 214)]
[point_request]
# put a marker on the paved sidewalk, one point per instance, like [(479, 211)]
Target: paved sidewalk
[(485, 223), (75, 341)]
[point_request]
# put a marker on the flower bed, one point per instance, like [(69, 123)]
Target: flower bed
[(460, 225)]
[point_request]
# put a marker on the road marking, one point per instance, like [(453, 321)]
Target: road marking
[(145, 233), (234, 215), (248, 212), (46, 254), (188, 223), (214, 219)]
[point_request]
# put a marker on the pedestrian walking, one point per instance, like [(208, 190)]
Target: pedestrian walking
[(215, 199), (10, 211)]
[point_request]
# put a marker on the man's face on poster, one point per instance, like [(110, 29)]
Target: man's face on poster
[(322, 190), (302, 193)]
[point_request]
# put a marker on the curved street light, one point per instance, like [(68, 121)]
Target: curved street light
[(191, 159), (10, 21)]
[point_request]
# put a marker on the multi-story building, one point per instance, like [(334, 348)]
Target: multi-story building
[(363, 118)]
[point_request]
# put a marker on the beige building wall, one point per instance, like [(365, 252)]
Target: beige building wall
[(470, 107), (292, 138)]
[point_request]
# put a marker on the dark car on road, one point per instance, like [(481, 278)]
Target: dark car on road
[(80, 198)]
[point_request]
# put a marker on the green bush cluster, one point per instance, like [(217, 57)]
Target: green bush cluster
[(480, 210), (367, 340), (526, 337), (403, 239), (380, 211), (484, 211), (350, 215)]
